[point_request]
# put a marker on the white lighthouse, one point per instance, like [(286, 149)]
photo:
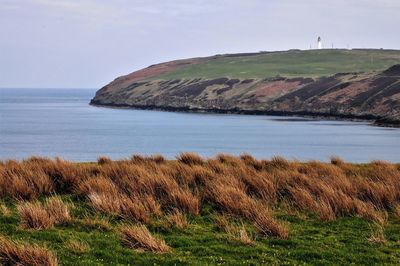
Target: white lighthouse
[(319, 45)]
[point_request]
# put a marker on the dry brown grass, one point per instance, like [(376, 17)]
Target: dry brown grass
[(139, 238), (13, 253), (237, 233), (96, 223), (397, 210), (151, 205), (103, 160), (4, 210), (177, 219), (190, 158), (158, 158), (267, 225), (139, 159), (336, 160), (98, 184), (34, 215), (222, 223), (251, 161), (142, 187), (234, 200), (244, 237), (77, 246), (325, 211), (278, 163), (58, 210), (185, 201), (24, 181), (302, 198), (119, 205)]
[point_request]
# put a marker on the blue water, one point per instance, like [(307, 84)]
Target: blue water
[(59, 122)]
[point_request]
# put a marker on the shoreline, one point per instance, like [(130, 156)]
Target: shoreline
[(372, 120)]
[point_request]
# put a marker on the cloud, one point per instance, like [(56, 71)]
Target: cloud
[(102, 10), (45, 39)]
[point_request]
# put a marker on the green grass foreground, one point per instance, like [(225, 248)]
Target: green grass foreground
[(347, 240), (89, 233)]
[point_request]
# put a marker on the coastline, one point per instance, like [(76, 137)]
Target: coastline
[(373, 120)]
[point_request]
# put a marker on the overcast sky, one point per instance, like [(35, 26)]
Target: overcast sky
[(87, 43)]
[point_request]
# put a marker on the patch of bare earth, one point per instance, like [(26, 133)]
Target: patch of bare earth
[(272, 89), (346, 94)]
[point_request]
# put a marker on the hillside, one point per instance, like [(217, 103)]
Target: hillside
[(360, 84)]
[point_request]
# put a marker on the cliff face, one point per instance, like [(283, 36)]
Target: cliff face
[(367, 96), (373, 95)]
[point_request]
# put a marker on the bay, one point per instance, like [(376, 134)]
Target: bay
[(60, 122)]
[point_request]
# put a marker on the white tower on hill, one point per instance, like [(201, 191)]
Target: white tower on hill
[(319, 43)]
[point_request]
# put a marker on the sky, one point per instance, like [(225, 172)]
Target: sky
[(88, 43)]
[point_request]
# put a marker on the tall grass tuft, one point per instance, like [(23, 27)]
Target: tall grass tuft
[(103, 160), (4, 210), (13, 253), (77, 246), (244, 236), (190, 158), (139, 238), (98, 223), (177, 219), (58, 210), (35, 215)]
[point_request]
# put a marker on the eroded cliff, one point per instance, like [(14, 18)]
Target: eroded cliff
[(372, 95)]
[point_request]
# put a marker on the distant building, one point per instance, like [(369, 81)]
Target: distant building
[(319, 45)]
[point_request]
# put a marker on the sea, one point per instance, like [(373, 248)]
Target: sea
[(60, 122)]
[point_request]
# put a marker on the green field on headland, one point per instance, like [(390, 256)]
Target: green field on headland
[(294, 63), (224, 210), (357, 84)]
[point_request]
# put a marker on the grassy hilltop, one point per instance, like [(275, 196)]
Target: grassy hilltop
[(225, 210), (293, 63), (357, 84)]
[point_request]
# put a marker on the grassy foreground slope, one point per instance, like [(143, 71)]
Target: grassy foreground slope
[(220, 211), (311, 63)]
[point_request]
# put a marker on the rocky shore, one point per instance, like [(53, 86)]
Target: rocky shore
[(372, 96)]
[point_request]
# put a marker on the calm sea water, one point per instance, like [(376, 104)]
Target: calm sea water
[(60, 122)]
